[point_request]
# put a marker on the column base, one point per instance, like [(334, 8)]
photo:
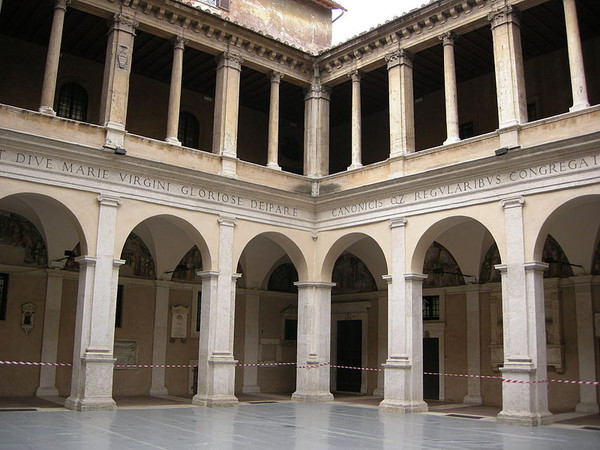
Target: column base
[(312, 396), (173, 141), (378, 392), (274, 166), (403, 407), (217, 401), (587, 407), (452, 140), (250, 389), (354, 166), (574, 108), (528, 420), (159, 391), (46, 391), (47, 110), (90, 404), (473, 399)]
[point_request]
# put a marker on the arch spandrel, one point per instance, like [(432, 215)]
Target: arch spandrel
[(466, 234), (366, 243), (573, 220), (168, 233), (292, 242), (61, 231)]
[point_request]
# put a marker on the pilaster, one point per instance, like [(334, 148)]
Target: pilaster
[(473, 346), (314, 341), (250, 385), (401, 98), (115, 87), (160, 337)]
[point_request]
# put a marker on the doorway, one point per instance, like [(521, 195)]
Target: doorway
[(431, 363), (349, 353)]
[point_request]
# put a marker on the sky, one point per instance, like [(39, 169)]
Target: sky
[(363, 15)]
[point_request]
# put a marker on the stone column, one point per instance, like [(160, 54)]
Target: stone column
[(91, 383), (175, 91), (524, 325), (356, 120), (402, 104), (588, 402), (578, 83), (216, 366), (382, 307), (160, 337), (316, 130), (52, 58), (227, 104), (473, 346), (314, 341), (450, 89), (51, 333), (250, 385), (115, 86), (508, 61), (404, 365), (273, 143)]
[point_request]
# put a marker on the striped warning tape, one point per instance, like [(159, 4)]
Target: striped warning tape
[(306, 366)]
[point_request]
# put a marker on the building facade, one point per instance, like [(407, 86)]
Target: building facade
[(183, 186)]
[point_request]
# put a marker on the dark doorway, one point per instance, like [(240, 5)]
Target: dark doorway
[(349, 353), (431, 363)]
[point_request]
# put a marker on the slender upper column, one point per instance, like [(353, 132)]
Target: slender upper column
[(450, 88), (51, 332), (273, 142), (115, 86), (356, 120), (159, 345), (578, 83), (316, 129), (584, 307), (175, 91), (401, 98), (52, 58), (314, 341), (227, 99), (523, 318), (508, 61)]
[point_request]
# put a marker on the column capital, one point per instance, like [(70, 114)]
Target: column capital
[(535, 266), (355, 76), (398, 58), (207, 274), (118, 262), (123, 22), (317, 91), (86, 261), (415, 276), (387, 278), (109, 200), (230, 60), (163, 284), (55, 273), (61, 4), (398, 222), (448, 38), (225, 221), (275, 77), (179, 43), (503, 268), (314, 284), (513, 202), (504, 15)]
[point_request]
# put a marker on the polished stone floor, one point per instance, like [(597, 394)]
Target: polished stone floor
[(262, 425)]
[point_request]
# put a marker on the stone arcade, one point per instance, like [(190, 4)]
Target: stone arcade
[(209, 183)]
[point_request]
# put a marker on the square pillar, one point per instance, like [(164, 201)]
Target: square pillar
[(160, 337), (316, 129), (314, 341), (402, 104), (473, 396), (382, 326), (250, 385), (115, 86)]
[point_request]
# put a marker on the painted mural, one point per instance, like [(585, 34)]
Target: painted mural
[(17, 231)]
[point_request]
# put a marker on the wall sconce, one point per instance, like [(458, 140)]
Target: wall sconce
[(27, 316)]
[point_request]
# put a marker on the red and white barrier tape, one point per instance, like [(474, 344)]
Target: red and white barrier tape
[(307, 366)]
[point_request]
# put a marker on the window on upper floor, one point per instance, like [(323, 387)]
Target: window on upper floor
[(189, 130), (72, 102), (223, 4)]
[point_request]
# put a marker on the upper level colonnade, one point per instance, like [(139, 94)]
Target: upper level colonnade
[(390, 51)]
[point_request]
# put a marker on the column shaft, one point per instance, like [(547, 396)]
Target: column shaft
[(356, 121), (314, 340), (52, 58), (450, 88), (273, 142), (160, 337), (508, 61), (175, 91), (250, 385), (115, 86), (473, 347), (576, 66), (401, 98), (316, 130), (51, 333)]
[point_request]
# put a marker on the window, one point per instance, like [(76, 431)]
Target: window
[(72, 102), (466, 130), (431, 307), (189, 130), (198, 311), (223, 4), (119, 312), (3, 294)]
